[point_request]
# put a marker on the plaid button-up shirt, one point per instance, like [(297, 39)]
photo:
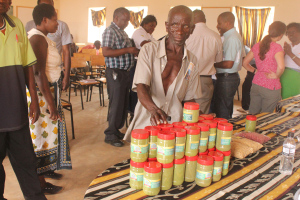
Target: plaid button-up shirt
[(116, 38)]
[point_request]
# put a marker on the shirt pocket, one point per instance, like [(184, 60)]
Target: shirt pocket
[(19, 53), (183, 90)]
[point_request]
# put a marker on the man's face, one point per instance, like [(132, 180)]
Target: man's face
[(293, 34), (51, 2), (122, 20), (52, 24), (179, 28), (222, 25), (4, 6)]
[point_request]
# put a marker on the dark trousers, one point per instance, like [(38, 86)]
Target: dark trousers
[(18, 146), (225, 89), (118, 89), (246, 88), (132, 95)]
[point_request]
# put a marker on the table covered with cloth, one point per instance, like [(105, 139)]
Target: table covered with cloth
[(291, 104), (254, 177)]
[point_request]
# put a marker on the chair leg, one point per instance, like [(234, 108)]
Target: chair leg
[(70, 93), (91, 92), (238, 93), (100, 94), (72, 122), (87, 94), (81, 97)]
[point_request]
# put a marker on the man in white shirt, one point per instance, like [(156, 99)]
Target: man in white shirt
[(206, 45)]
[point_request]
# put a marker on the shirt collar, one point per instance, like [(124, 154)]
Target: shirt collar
[(9, 20), (162, 49), (113, 23), (229, 32), (200, 24)]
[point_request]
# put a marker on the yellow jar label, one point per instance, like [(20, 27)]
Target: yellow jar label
[(203, 141), (194, 145), (152, 146), (179, 148), (136, 176), (165, 151), (203, 175), (226, 165), (139, 149), (151, 183), (217, 170), (212, 137), (225, 140)]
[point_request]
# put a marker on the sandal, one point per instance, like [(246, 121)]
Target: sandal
[(53, 175), (51, 189)]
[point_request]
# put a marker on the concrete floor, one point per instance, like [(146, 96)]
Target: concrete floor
[(90, 155)]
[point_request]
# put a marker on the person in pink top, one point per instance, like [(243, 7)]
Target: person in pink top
[(269, 58)]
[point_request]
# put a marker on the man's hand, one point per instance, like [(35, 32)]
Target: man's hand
[(158, 115), (54, 113), (287, 49), (34, 111), (133, 50), (65, 83), (271, 75)]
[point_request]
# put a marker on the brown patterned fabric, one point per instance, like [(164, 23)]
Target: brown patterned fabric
[(136, 18), (99, 17)]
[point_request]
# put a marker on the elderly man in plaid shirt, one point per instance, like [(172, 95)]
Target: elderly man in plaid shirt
[(119, 57)]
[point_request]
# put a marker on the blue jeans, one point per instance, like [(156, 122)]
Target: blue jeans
[(225, 88)]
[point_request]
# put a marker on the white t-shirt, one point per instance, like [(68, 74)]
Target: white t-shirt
[(289, 62), (141, 35)]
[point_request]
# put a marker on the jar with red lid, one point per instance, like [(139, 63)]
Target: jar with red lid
[(204, 170), (226, 162), (192, 140), (139, 145), (153, 131), (179, 170), (167, 176), (212, 133), (190, 112), (224, 134), (218, 164), (152, 160), (203, 153), (207, 117), (179, 142), (190, 168), (200, 119), (152, 178), (220, 120), (179, 124), (165, 127), (136, 175), (165, 146), (203, 136), (250, 123)]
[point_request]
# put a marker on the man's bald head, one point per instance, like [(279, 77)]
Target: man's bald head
[(199, 16), (120, 11), (51, 2), (228, 17), (180, 9)]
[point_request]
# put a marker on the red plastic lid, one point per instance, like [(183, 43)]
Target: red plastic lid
[(189, 124), (167, 165), (200, 119), (151, 160), (166, 135), (225, 127), (203, 153), (220, 120), (179, 124), (152, 167), (192, 130), (211, 123), (191, 158), (212, 149), (251, 117), (179, 161), (165, 126), (137, 164), (179, 132), (216, 155), (140, 134), (207, 117), (191, 106), (203, 126), (153, 130), (225, 153), (205, 160)]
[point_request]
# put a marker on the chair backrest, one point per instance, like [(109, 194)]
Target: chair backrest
[(78, 62), (90, 51), (97, 60), (86, 56)]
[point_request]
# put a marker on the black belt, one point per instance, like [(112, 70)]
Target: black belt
[(226, 74), (205, 76)]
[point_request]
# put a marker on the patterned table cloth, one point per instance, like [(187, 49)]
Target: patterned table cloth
[(291, 104), (254, 177)]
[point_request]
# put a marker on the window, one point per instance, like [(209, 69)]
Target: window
[(130, 29), (195, 7), (94, 32)]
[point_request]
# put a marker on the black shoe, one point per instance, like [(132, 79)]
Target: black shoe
[(53, 175), (114, 142), (51, 189), (120, 136)]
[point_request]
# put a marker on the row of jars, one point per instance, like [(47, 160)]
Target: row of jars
[(204, 169)]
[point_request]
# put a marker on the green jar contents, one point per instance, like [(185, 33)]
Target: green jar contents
[(190, 112), (220, 120), (179, 124), (139, 145), (200, 119), (250, 123), (152, 178), (204, 128), (224, 134), (165, 127), (165, 146), (204, 170), (179, 142), (206, 116), (153, 131), (167, 176), (192, 140), (226, 162), (179, 170), (190, 168), (212, 133), (136, 175), (218, 165)]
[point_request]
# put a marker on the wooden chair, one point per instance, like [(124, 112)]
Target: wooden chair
[(99, 60), (86, 56), (90, 51), (68, 106)]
